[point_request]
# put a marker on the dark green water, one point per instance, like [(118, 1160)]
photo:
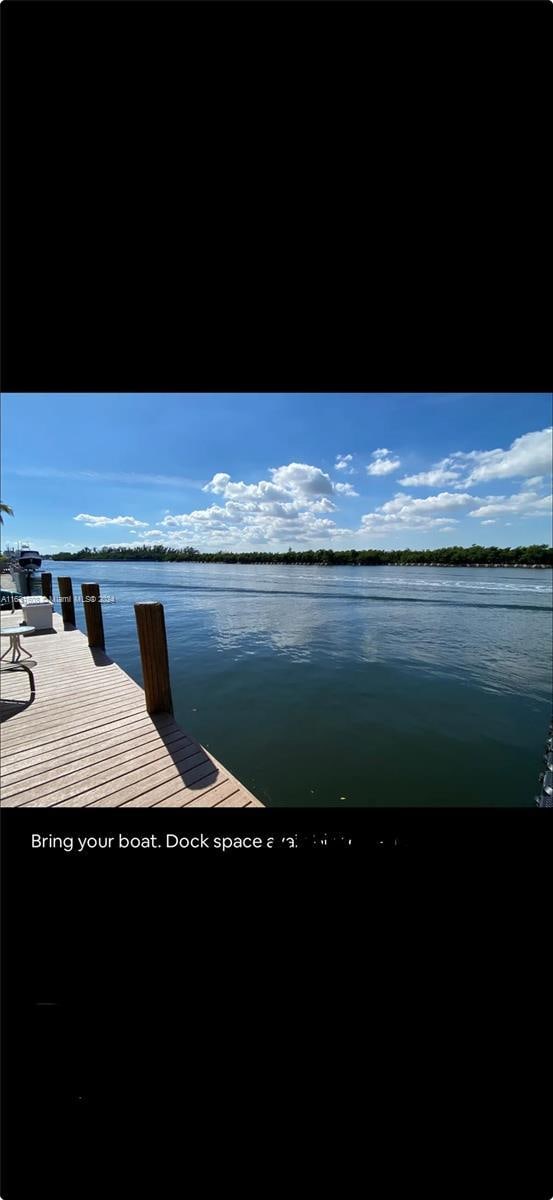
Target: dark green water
[(353, 686)]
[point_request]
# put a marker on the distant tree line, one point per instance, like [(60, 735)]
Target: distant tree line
[(446, 556)]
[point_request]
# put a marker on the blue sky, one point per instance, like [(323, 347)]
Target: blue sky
[(270, 471)]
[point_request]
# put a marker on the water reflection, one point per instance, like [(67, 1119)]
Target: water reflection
[(295, 629), (506, 650), (304, 682), (487, 628)]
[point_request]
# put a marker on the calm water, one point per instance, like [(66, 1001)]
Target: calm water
[(349, 685)]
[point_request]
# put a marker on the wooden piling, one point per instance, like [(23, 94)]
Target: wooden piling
[(93, 615), (46, 584), (150, 624), (66, 598)]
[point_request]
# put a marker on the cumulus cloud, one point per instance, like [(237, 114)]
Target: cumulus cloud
[(302, 479), (297, 503), (285, 508), (529, 455), (444, 500), (405, 512), (441, 472), (342, 463), (488, 522), (292, 482), (92, 521), (375, 524), (322, 505), (525, 504), (383, 463), (345, 489), (218, 484)]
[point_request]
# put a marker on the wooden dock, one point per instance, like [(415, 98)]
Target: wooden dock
[(87, 740)]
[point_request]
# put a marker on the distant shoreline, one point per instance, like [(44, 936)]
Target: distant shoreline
[(535, 556), (278, 563)]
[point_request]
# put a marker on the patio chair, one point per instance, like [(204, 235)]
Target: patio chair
[(6, 667)]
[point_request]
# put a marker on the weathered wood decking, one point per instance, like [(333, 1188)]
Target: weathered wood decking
[(87, 740)]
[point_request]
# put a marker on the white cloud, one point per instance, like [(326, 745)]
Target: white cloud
[(342, 463), (394, 524), (441, 472), (407, 504), (218, 484), (302, 479), (285, 508), (488, 522), (384, 462), (322, 505), (296, 506), (529, 455), (345, 489), (404, 512), (522, 503), (94, 521), (294, 482)]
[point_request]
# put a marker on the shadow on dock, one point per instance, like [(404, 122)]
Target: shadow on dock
[(196, 769)]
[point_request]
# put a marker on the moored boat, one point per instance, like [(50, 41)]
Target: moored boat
[(545, 799), (23, 565)]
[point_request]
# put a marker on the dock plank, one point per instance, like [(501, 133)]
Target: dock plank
[(98, 764), (87, 741), (117, 751), (62, 750), (117, 729)]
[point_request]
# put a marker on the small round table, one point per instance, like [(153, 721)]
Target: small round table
[(15, 632)]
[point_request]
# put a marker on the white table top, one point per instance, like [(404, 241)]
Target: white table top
[(17, 629)]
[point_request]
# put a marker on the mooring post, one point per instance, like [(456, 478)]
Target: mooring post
[(46, 583), (66, 599), (152, 639), (93, 615)]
